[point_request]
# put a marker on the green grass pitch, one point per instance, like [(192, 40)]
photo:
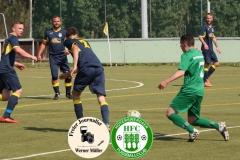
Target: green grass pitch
[(44, 123)]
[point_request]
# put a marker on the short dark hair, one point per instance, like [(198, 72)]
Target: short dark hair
[(56, 17), (209, 14), (188, 39), (71, 31), (16, 22)]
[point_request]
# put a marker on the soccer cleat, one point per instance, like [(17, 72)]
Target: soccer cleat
[(108, 126), (223, 130), (69, 95), (208, 81), (206, 84), (193, 136), (57, 96), (8, 120)]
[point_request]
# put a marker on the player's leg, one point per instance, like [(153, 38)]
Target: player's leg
[(97, 87), (207, 59), (64, 67), (77, 103), (12, 83), (80, 82), (195, 119), (4, 93), (213, 67), (54, 73), (180, 104)]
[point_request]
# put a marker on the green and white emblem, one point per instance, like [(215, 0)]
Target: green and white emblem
[(131, 137)]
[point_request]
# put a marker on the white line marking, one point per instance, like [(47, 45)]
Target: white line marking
[(178, 134), (64, 150), (117, 89)]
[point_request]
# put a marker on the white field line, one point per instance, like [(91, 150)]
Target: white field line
[(117, 89), (64, 150), (207, 130)]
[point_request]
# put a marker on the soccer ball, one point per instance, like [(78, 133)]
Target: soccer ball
[(133, 113)]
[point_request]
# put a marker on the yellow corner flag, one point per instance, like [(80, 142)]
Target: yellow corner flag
[(105, 30)]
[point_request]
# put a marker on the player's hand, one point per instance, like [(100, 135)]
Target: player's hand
[(20, 66), (162, 85), (66, 52), (73, 71), (218, 50), (34, 58), (39, 58), (206, 47), (64, 75)]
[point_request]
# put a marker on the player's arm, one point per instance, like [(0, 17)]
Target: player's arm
[(216, 44), (41, 49), (175, 76), (202, 35), (20, 66), (23, 53), (75, 54)]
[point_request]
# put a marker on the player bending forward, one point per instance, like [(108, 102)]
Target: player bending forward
[(89, 72), (191, 94)]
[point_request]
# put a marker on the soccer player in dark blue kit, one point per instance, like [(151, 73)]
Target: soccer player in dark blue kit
[(207, 36), (8, 77), (57, 55), (89, 72)]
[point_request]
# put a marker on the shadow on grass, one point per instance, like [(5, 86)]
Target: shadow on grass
[(162, 137), (37, 97), (45, 129)]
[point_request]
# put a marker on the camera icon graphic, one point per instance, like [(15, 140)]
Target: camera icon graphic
[(86, 136)]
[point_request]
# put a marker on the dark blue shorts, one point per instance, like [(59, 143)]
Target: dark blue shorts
[(210, 57), (58, 61), (94, 77), (10, 81)]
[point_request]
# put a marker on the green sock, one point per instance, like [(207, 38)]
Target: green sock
[(180, 122), (205, 123)]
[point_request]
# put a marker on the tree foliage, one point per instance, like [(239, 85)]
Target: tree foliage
[(169, 18)]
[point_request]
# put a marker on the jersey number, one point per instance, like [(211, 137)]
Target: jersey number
[(201, 64), (84, 43)]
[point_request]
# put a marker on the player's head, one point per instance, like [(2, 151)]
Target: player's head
[(72, 32), (56, 22), (186, 42), (209, 19), (17, 28)]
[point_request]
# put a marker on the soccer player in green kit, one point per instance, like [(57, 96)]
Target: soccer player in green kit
[(191, 94)]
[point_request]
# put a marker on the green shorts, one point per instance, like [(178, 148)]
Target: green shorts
[(186, 102)]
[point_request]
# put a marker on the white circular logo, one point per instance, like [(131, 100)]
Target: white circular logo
[(88, 137), (131, 137)]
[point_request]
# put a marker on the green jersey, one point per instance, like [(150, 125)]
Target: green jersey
[(192, 62)]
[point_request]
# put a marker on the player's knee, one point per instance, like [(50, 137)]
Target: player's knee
[(5, 97), (216, 64), (191, 120), (170, 111), (76, 94)]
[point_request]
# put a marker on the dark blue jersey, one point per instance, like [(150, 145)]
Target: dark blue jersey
[(55, 39), (8, 54), (87, 57), (207, 33)]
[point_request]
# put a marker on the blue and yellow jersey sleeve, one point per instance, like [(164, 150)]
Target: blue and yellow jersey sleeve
[(10, 43), (45, 38), (203, 31)]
